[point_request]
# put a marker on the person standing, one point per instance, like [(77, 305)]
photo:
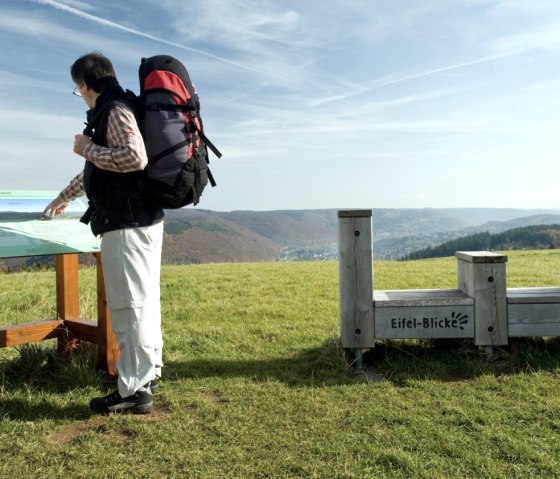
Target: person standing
[(131, 231)]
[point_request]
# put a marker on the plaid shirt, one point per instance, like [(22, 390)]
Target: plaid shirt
[(126, 151)]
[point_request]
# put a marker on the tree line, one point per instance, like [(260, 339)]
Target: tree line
[(526, 237)]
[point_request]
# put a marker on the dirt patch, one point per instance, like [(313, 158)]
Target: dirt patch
[(213, 397), (71, 432)]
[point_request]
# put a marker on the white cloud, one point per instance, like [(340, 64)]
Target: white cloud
[(119, 26), (246, 25), (522, 8), (545, 37), (32, 27), (60, 127)]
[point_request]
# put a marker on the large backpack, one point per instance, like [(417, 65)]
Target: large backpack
[(170, 122)]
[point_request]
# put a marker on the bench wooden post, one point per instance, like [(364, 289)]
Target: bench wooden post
[(482, 276), (356, 279)]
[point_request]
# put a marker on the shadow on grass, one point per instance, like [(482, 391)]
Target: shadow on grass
[(394, 361), (33, 410), (459, 360), (35, 385), (39, 385), (322, 366)]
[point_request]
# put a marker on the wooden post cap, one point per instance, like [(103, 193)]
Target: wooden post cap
[(481, 257), (354, 213)]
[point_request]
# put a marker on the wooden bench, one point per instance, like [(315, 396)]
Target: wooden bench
[(69, 325), (533, 312), (481, 307)]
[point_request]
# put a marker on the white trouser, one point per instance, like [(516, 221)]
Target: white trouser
[(131, 261)]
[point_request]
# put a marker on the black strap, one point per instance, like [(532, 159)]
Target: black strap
[(208, 143), (186, 108), (211, 178), (169, 150), (86, 217)]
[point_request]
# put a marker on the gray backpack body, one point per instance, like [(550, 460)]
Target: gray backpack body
[(177, 148)]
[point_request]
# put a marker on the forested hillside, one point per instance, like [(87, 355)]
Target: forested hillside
[(528, 237)]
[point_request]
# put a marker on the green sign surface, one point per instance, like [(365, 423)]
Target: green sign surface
[(24, 231)]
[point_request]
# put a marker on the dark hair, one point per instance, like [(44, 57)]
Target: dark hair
[(93, 70)]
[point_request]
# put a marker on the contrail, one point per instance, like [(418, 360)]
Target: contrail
[(108, 23), (400, 79)]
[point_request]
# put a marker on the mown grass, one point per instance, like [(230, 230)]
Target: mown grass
[(256, 386)]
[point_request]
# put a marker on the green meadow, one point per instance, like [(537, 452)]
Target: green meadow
[(256, 385)]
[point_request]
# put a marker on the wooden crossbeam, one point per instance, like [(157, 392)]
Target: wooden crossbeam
[(17, 334), (82, 329)]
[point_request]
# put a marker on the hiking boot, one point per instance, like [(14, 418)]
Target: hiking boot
[(138, 403)]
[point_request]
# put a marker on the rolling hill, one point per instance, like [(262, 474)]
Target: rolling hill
[(195, 235)]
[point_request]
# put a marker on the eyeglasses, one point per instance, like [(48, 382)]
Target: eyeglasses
[(77, 91)]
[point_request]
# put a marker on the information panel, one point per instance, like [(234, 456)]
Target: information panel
[(25, 231)]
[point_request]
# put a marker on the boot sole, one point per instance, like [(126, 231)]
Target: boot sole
[(144, 409), (139, 409)]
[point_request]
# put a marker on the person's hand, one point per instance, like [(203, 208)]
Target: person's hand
[(80, 142), (55, 208)]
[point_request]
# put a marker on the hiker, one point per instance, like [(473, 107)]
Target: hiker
[(131, 232)]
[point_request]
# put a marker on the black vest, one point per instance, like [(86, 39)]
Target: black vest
[(114, 198)]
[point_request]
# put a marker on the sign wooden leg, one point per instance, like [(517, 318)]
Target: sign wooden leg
[(67, 296)]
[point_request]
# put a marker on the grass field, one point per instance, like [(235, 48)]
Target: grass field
[(256, 386)]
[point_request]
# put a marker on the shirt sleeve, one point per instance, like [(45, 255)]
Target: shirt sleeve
[(73, 190), (125, 151)]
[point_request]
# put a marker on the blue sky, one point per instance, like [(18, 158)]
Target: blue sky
[(315, 104)]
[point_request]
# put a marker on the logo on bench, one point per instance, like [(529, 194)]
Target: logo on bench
[(455, 321)]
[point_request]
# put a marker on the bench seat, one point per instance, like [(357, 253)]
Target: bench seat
[(533, 312)]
